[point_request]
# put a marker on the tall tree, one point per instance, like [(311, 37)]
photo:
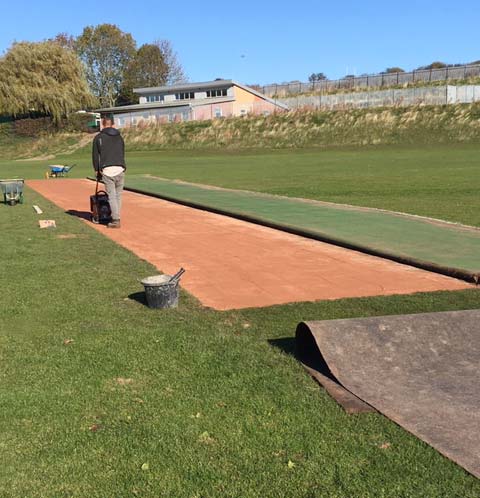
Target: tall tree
[(317, 77), (106, 52), (176, 73), (43, 77), (391, 70), (147, 68), (434, 65)]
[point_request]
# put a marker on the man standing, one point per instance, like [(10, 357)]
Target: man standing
[(108, 156)]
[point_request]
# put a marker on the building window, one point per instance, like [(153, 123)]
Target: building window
[(221, 92), (185, 95), (218, 112), (154, 98)]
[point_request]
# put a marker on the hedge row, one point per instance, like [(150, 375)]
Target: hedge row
[(37, 126)]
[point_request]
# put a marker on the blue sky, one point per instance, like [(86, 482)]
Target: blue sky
[(269, 41)]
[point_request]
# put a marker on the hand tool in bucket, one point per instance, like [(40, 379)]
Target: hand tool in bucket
[(99, 206), (177, 276)]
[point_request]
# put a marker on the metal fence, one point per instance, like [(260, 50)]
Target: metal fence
[(438, 95), (373, 81)]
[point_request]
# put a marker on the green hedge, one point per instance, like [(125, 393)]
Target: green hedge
[(6, 130), (79, 122), (33, 127)]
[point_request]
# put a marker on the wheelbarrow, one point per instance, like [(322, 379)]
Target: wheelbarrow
[(58, 170), (12, 191)]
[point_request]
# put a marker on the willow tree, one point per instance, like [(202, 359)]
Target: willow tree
[(42, 77)]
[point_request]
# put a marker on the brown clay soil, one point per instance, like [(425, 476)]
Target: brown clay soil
[(232, 264)]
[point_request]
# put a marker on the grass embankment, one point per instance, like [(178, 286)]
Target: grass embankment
[(356, 127), (439, 181), (102, 397), (420, 125), (46, 146)]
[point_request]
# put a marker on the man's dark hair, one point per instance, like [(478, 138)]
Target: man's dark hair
[(108, 117)]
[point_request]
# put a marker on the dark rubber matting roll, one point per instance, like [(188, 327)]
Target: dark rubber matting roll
[(421, 371)]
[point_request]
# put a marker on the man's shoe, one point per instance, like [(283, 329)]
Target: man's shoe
[(114, 224)]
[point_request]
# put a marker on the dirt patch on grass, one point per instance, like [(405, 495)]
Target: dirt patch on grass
[(67, 236), (56, 144), (39, 158)]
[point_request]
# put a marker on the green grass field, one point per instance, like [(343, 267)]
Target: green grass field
[(102, 397)]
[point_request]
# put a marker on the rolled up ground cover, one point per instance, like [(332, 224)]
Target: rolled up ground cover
[(422, 242), (421, 371)]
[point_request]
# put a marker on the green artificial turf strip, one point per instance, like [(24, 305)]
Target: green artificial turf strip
[(94, 386), (446, 246)]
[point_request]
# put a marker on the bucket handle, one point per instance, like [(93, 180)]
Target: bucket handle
[(177, 276)]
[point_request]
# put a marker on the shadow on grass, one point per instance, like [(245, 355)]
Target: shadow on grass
[(139, 297), (306, 352), (285, 344)]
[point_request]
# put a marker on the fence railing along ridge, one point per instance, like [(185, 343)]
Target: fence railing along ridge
[(374, 80)]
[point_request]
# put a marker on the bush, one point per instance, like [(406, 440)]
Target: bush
[(33, 127), (79, 122), (6, 130)]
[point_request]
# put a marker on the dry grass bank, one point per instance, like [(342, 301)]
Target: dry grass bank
[(412, 125)]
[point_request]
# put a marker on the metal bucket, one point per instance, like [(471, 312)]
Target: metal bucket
[(161, 292)]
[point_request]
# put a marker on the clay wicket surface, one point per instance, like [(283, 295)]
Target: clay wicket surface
[(232, 264)]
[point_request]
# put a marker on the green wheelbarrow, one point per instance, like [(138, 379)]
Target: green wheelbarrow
[(12, 191)]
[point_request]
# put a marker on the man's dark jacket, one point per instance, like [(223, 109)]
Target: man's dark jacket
[(108, 149)]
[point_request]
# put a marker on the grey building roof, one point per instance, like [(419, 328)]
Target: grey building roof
[(184, 87), (163, 105)]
